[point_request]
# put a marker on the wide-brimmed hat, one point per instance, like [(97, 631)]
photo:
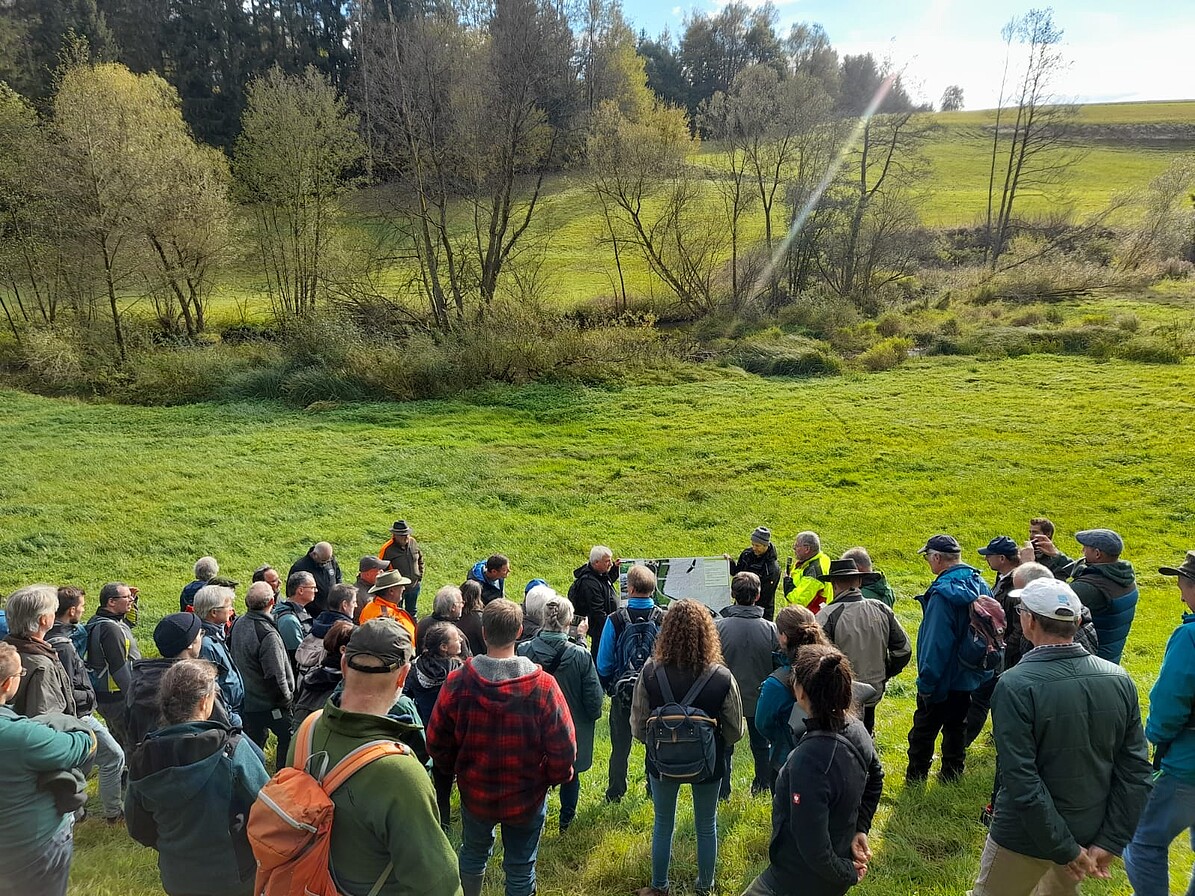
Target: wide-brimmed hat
[(400, 527), (842, 569), (387, 580), (1186, 570)]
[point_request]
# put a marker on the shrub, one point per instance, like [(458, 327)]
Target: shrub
[(1149, 350), (183, 375), (1175, 269), (890, 324), (792, 356), (886, 354), (52, 359)]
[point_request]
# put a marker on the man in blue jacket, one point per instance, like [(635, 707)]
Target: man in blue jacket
[(944, 685), (1171, 806)]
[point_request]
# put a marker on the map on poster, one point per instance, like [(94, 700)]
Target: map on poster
[(704, 579)]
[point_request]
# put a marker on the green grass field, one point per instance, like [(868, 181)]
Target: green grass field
[(100, 492)]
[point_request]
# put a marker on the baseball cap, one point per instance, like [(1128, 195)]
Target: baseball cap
[(1051, 598), (382, 640), (371, 562), (947, 544), (1001, 544)]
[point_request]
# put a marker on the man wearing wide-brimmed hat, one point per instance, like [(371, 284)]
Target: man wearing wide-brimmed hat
[(404, 554), (1171, 806), (867, 631), (385, 597)]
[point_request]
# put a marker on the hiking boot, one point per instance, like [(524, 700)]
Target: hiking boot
[(115, 819), (471, 884), (651, 891)]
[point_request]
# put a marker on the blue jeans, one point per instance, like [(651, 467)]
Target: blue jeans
[(1169, 812), (520, 845), (705, 821), (570, 795), (110, 759), (410, 600), (48, 869)]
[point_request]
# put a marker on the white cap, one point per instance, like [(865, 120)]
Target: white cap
[(1050, 598)]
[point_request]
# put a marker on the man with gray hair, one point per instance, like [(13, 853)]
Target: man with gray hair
[(802, 582), (45, 685), (260, 655), (944, 684), (875, 584), (292, 616), (320, 561), (205, 570), (592, 592)]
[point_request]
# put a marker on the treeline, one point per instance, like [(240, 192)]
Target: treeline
[(211, 50)]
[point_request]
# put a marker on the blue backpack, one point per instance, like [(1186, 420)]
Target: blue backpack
[(636, 641)]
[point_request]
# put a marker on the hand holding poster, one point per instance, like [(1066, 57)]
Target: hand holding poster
[(703, 579)]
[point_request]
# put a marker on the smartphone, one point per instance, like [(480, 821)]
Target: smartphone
[(577, 617)]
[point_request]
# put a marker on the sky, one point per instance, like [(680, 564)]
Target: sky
[(1119, 50)]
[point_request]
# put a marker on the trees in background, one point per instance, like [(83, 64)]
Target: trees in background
[(952, 99), (294, 160)]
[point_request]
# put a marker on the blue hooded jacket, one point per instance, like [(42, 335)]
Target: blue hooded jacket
[(1172, 703), (943, 625), (489, 590), (325, 620), (214, 649)]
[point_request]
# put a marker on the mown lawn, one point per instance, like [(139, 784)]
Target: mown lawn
[(99, 492)]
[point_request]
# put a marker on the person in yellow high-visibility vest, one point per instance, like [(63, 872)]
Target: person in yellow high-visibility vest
[(802, 584)]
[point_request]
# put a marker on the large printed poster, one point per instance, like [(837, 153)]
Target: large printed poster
[(704, 579)]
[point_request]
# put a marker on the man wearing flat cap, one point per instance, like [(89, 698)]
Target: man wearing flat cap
[(867, 631), (403, 553), (1105, 584), (760, 558), (944, 685), (1071, 757), (1171, 806), (386, 835)]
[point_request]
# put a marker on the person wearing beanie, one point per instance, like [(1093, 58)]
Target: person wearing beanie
[(178, 636), (760, 558)]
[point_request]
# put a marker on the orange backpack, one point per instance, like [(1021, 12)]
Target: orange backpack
[(290, 824)]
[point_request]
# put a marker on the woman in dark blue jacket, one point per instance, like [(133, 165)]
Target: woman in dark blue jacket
[(828, 790), (191, 784)]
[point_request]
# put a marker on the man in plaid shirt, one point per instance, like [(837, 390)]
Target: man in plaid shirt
[(502, 726)]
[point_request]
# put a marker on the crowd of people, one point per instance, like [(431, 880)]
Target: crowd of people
[(379, 707)]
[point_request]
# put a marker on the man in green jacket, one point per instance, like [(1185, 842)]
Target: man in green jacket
[(1070, 753), (386, 827)]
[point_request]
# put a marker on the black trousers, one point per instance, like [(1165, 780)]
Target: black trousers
[(258, 725), (977, 714), (620, 749), (947, 717)]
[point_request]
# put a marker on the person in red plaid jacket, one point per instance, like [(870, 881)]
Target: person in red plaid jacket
[(502, 726)]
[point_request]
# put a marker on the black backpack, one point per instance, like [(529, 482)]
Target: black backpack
[(982, 646), (680, 736), (636, 641)]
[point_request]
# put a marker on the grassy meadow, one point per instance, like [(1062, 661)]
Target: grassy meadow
[(100, 492)]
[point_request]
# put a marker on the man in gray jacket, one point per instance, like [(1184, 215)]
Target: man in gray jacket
[(866, 630), (748, 642), (260, 655), (1071, 757)]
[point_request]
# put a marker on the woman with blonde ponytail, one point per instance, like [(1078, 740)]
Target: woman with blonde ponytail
[(828, 790), (572, 666)]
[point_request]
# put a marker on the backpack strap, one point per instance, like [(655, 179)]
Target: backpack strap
[(665, 688), (358, 759), (304, 738), (556, 660), (854, 751), (699, 685)]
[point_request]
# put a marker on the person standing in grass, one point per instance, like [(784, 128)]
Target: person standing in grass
[(1003, 557), (260, 655), (572, 667), (593, 591), (748, 641), (1171, 806), (828, 790), (1070, 754), (760, 558), (502, 726), (111, 652), (36, 841), (802, 585), (191, 784), (403, 553), (867, 631), (214, 608), (687, 653), (320, 561), (944, 685), (291, 615), (875, 584)]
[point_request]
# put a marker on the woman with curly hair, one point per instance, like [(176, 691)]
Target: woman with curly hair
[(828, 790), (797, 627), (686, 648)]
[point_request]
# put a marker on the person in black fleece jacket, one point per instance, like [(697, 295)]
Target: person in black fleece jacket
[(827, 792)]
